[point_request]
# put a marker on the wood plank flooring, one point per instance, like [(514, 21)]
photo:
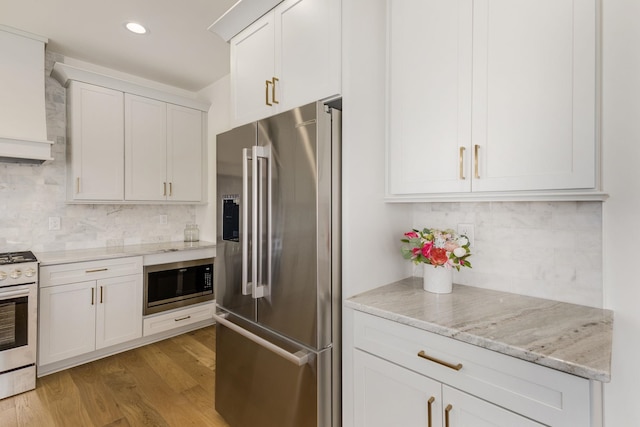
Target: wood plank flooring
[(165, 384)]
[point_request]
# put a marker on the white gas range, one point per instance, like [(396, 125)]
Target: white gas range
[(18, 322)]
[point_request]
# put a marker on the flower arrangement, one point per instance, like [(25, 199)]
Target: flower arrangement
[(437, 247)]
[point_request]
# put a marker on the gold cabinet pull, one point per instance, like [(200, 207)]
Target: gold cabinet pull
[(78, 185), (461, 160), (273, 90), (101, 292), (96, 270), (429, 403), (93, 295), (476, 173), (446, 415), (440, 362), (266, 92), (164, 189), (170, 189)]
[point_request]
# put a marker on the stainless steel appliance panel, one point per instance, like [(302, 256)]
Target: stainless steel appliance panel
[(260, 388), (300, 225), (230, 200)]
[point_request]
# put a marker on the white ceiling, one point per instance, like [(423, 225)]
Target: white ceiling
[(178, 50)]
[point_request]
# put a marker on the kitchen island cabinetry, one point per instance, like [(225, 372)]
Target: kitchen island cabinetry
[(501, 97), (287, 58), (95, 151), (163, 151), (89, 306)]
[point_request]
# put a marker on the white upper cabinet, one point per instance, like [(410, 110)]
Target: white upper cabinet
[(289, 57), (185, 153), (130, 143), (95, 152), (146, 148), (492, 96), (163, 151)]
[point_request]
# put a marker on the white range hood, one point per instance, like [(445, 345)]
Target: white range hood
[(23, 117)]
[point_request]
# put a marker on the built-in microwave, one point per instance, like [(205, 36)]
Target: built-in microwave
[(178, 284)]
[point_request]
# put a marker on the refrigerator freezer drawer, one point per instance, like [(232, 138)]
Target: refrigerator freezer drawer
[(256, 386)]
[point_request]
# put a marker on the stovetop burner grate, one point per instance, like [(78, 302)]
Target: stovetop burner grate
[(16, 257)]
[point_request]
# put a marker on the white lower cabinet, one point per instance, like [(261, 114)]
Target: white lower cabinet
[(79, 315), (389, 395), (163, 322), (404, 376)]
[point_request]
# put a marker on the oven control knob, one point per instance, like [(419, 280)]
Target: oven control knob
[(16, 273), (3, 275), (30, 272)]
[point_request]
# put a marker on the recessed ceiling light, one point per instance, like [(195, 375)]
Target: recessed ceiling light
[(134, 27)]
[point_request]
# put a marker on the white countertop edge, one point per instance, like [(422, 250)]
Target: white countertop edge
[(154, 253)]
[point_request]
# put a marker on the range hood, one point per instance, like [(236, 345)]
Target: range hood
[(23, 117)]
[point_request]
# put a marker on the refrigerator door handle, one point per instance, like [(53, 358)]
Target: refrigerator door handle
[(246, 285), (261, 285), (298, 358)]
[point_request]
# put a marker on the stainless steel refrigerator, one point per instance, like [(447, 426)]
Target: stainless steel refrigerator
[(277, 271)]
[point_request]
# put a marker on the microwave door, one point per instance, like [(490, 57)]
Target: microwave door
[(233, 200)]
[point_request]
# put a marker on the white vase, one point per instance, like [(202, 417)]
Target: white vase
[(438, 280)]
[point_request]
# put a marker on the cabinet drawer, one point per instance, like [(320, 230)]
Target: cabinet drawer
[(52, 275), (549, 396), (174, 319)]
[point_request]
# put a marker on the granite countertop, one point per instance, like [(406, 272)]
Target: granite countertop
[(571, 338), (77, 255)]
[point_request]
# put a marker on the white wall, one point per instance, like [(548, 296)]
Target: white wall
[(371, 227), (621, 142), (219, 121)]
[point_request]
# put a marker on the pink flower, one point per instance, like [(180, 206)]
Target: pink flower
[(411, 235), (426, 249)]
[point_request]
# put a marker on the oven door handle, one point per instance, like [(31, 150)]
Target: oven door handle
[(299, 358), (17, 293)]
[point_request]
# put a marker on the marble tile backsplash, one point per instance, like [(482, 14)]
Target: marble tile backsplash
[(30, 194), (544, 249)]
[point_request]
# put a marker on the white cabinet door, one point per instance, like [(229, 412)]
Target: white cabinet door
[(534, 94), (96, 143), (307, 51), (145, 148), (387, 395), (67, 321), (462, 409), (289, 57), (429, 96), (118, 310), (491, 95), (252, 65), (184, 153)]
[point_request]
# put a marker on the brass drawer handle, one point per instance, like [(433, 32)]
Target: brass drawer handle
[(446, 415), (461, 160), (476, 173), (266, 92), (429, 403), (273, 90), (182, 318), (440, 362), (96, 270)]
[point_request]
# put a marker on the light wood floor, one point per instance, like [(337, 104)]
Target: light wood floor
[(169, 383)]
